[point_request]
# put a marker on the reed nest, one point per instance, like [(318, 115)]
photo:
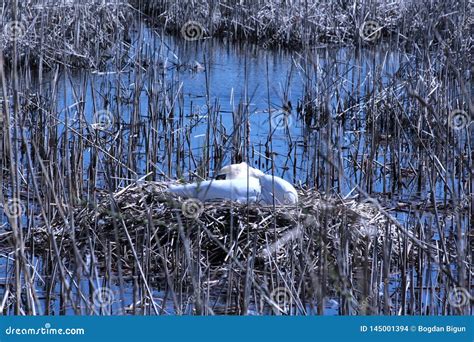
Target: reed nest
[(146, 217)]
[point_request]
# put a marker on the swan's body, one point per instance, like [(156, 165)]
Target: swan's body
[(241, 170), (236, 190), (278, 189), (241, 183)]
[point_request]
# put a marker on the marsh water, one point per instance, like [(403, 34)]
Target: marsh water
[(212, 102), (239, 90)]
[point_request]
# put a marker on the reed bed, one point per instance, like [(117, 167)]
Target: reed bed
[(233, 258), (382, 159), (300, 23), (75, 33), (258, 249)]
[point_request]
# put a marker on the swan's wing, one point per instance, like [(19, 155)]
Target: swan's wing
[(278, 188), (245, 189), (242, 170), (239, 190)]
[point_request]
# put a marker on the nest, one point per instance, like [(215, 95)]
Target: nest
[(144, 233), (148, 215)]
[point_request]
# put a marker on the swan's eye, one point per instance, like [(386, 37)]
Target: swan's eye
[(220, 176)]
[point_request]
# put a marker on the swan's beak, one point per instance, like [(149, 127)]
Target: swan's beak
[(221, 176)]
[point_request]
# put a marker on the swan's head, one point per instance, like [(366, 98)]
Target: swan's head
[(242, 170)]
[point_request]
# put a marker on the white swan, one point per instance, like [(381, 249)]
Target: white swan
[(241, 183)]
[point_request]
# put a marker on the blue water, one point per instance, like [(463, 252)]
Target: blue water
[(261, 80), (212, 73)]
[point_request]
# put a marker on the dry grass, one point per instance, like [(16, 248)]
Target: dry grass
[(72, 33), (236, 258), (298, 23), (262, 248), (86, 224)]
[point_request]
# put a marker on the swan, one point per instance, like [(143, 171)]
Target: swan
[(277, 189), (241, 183)]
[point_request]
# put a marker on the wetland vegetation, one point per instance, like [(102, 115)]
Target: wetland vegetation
[(365, 106)]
